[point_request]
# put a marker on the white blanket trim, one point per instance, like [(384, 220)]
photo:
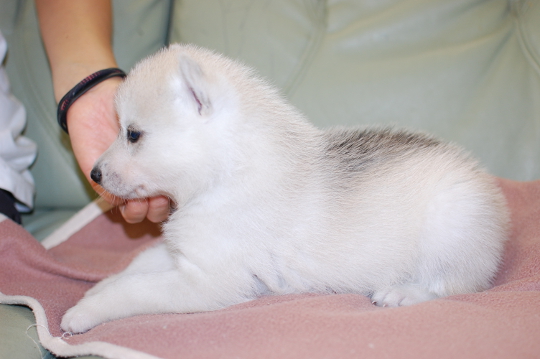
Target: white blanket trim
[(60, 346)]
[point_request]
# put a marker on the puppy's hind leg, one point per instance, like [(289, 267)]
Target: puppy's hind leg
[(459, 248), (152, 284)]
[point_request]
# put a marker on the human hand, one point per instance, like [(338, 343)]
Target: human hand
[(77, 36), (93, 126)]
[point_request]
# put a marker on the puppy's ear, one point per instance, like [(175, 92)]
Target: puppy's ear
[(197, 85)]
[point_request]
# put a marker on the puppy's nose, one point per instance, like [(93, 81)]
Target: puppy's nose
[(95, 175)]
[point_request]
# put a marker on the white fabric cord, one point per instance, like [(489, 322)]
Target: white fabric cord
[(75, 223)]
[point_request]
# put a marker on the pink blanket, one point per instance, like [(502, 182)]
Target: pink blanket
[(503, 322)]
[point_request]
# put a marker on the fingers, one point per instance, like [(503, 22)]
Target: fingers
[(156, 209), (134, 211)]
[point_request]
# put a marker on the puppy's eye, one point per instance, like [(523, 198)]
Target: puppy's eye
[(133, 136)]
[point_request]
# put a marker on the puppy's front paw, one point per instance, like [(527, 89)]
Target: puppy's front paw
[(80, 318), (401, 295)]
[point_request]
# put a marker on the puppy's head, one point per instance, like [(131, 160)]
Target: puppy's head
[(174, 111)]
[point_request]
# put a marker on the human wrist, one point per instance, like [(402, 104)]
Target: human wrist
[(81, 88), (68, 75)]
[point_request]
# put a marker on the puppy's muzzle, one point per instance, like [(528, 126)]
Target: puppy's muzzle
[(96, 175)]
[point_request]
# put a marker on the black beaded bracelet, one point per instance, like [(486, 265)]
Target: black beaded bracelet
[(80, 89)]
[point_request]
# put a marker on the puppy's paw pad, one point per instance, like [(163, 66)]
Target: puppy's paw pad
[(401, 295)]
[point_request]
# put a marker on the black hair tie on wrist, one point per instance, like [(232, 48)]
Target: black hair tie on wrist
[(79, 89)]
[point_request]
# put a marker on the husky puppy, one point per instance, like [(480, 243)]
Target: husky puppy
[(268, 204)]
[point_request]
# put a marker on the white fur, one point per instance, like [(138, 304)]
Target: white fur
[(268, 204)]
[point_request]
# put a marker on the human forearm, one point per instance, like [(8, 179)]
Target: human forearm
[(77, 36)]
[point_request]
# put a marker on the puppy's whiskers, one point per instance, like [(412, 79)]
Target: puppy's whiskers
[(103, 194)]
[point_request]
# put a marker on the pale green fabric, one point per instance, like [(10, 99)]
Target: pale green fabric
[(19, 339), (465, 70)]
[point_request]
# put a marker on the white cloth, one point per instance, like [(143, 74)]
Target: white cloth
[(17, 153)]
